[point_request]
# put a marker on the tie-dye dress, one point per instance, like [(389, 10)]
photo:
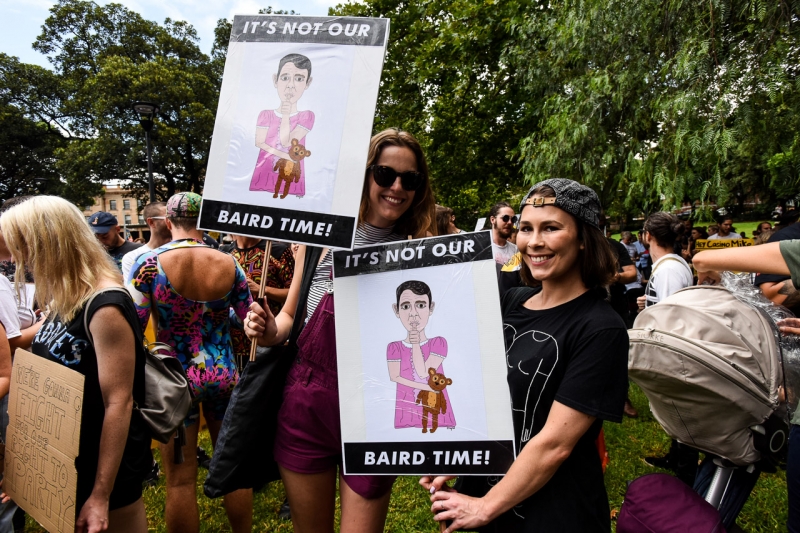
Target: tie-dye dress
[(199, 332)]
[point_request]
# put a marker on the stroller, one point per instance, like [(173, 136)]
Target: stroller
[(713, 366)]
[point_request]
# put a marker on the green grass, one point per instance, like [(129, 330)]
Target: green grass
[(627, 444)]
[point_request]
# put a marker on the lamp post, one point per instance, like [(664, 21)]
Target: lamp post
[(146, 111)]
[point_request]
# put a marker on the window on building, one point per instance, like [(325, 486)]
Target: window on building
[(139, 203), (127, 219), (126, 204), (112, 205), (141, 219)]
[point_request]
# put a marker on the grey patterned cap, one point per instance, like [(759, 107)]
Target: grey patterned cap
[(571, 196)]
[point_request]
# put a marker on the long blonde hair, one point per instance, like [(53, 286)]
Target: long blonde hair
[(420, 218), (50, 236)]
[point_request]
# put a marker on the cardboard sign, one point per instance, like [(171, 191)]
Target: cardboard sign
[(421, 358), (295, 116), (42, 439), (714, 244)]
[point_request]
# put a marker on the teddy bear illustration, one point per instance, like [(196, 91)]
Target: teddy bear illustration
[(433, 402), (289, 169)]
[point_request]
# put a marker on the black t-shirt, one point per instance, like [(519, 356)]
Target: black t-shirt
[(119, 252), (67, 344), (576, 354), (617, 290)]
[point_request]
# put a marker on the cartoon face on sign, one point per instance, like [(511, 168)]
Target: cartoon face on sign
[(281, 132), (411, 360)]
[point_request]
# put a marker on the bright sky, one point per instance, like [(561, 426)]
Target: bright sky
[(21, 20)]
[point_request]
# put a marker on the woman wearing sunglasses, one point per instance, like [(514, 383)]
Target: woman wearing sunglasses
[(396, 201)]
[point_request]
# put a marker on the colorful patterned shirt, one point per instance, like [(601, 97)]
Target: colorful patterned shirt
[(199, 332), (279, 276)]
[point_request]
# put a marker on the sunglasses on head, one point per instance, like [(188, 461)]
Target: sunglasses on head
[(506, 218), (385, 177)]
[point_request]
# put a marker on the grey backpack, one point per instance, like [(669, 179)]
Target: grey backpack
[(167, 397), (710, 364)]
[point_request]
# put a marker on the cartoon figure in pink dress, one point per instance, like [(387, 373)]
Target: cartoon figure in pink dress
[(410, 359), (276, 129)]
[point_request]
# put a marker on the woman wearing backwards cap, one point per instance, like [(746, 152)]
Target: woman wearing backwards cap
[(566, 354), (191, 288)]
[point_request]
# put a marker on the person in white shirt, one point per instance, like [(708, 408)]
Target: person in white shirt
[(670, 272), (154, 215), (725, 231), (503, 219)]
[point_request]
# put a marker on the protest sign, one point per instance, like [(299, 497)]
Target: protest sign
[(421, 358), (714, 244), (42, 440), (296, 107)]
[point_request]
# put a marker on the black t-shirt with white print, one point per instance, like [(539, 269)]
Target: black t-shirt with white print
[(577, 354)]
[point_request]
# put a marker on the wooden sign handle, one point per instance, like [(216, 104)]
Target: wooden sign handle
[(261, 291)]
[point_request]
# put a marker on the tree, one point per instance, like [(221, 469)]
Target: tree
[(445, 81), (680, 99)]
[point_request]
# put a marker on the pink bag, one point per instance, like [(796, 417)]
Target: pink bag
[(660, 503)]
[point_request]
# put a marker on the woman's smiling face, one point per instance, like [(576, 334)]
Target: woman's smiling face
[(387, 204), (548, 241)]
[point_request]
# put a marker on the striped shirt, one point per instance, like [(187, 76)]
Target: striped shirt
[(321, 283)]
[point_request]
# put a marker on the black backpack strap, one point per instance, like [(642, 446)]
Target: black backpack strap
[(313, 254)]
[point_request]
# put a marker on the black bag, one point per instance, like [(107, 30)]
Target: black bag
[(243, 456)]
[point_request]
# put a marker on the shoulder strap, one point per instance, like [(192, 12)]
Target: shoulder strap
[(309, 267), (664, 261), (88, 305)]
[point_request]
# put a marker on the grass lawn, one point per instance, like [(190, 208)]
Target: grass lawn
[(409, 512)]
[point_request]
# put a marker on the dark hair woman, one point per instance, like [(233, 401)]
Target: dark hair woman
[(670, 271), (445, 221), (567, 372), (396, 202)]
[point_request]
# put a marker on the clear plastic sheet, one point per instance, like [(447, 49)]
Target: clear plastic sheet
[(741, 286)]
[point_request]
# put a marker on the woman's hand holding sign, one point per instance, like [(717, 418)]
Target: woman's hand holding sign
[(261, 326)]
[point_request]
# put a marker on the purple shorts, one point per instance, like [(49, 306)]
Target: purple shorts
[(309, 434)]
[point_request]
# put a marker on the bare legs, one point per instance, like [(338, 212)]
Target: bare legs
[(129, 519), (312, 500), (182, 514)]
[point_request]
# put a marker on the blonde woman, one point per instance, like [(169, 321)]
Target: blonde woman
[(50, 236)]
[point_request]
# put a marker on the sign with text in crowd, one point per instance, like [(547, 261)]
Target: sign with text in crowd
[(293, 126), (421, 358), (42, 440), (715, 244)]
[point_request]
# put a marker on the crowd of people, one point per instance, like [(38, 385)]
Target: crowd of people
[(559, 272)]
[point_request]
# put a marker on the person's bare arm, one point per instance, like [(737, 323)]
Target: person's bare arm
[(534, 467), (394, 375), (114, 344), (5, 362), (628, 275), (25, 340), (270, 330), (277, 295), (781, 292), (765, 259)]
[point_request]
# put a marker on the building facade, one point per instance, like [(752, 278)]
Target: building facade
[(119, 202)]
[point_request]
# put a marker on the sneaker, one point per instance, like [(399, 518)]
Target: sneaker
[(285, 513), (659, 462)]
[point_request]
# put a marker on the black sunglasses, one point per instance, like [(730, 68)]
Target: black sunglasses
[(385, 177), (506, 218)]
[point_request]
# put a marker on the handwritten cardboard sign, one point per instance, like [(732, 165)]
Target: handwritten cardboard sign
[(714, 244), (44, 430)]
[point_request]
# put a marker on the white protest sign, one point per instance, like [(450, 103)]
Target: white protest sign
[(292, 130), (480, 224), (42, 440), (421, 358)]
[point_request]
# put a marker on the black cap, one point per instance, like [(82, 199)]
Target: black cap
[(102, 222), (576, 199)]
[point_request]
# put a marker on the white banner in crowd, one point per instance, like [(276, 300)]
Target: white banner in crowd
[(293, 127), (421, 358)]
